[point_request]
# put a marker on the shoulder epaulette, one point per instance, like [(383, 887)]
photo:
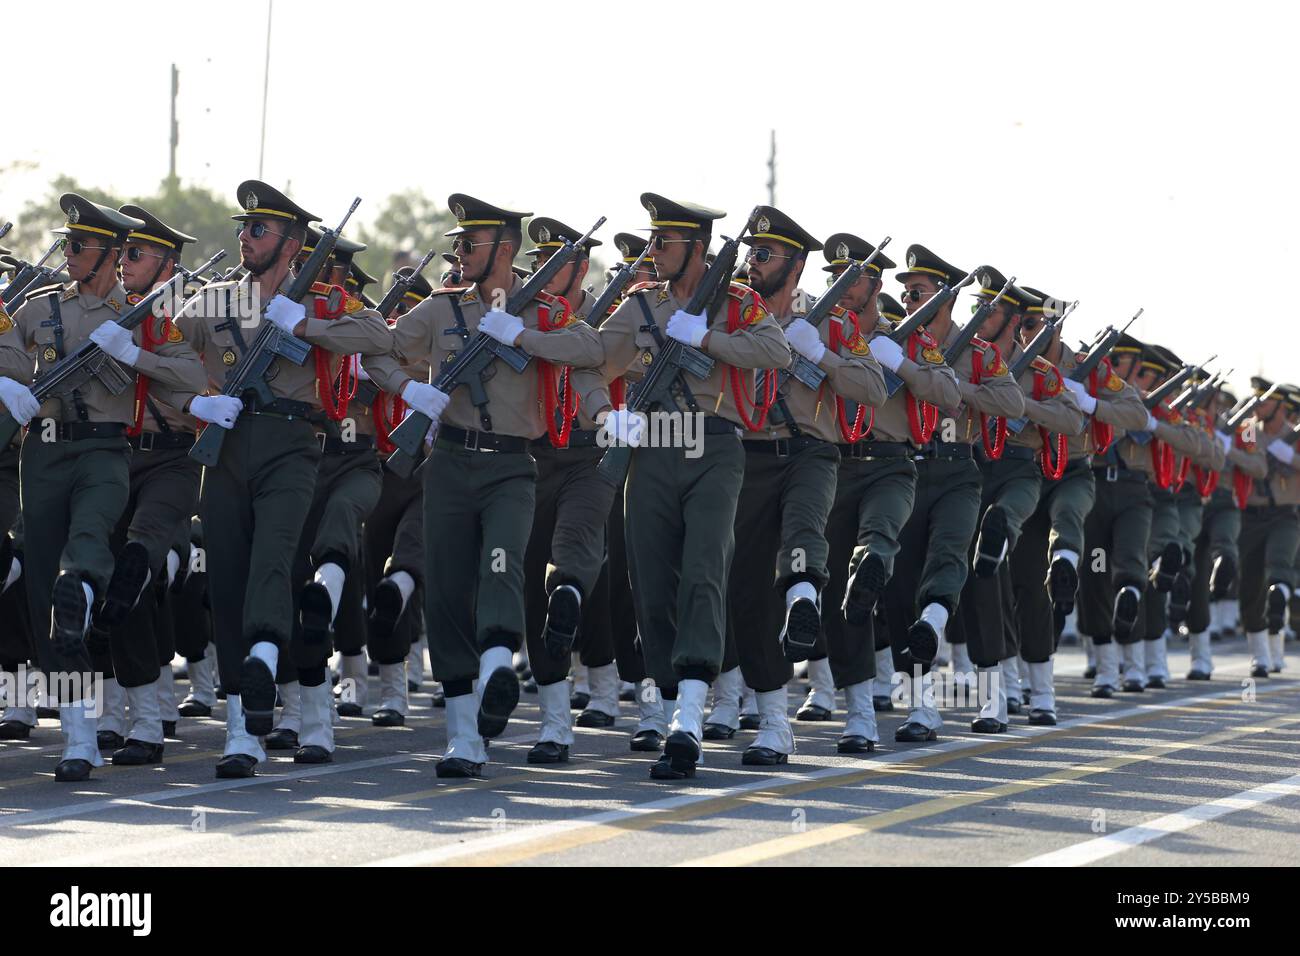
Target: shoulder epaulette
[(320, 288), (352, 304), (45, 290), (980, 343), (446, 291), (545, 297), (642, 286), (1041, 364)]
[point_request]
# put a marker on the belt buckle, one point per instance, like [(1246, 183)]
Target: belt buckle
[(782, 447), (320, 440), (471, 440), (1112, 473), (147, 440)]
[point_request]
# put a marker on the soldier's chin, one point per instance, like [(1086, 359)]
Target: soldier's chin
[(254, 266)]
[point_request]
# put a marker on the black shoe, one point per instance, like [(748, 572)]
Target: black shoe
[(412, 686), (990, 543), (129, 573), (457, 768), (1132, 687), (499, 698), (579, 700), (137, 753), (813, 712), (14, 730), (1126, 612), (257, 696), (312, 753), (314, 612), (882, 704), (1089, 673), (563, 616), (594, 718), (1155, 683), (750, 722), (914, 733), (439, 699), (1167, 566), (627, 696), (1197, 675), (220, 692), (683, 752), (169, 728), (109, 740), (372, 668), (68, 627), (350, 709), (1042, 718), (718, 732), (1014, 705), (855, 744), (388, 717), (1180, 599), (803, 625), (922, 642), (1062, 585), (1024, 697), (386, 611), (647, 741), (987, 725), (547, 751), (662, 769), (47, 713), (282, 738), (236, 767), (863, 591), (1222, 577), (530, 686), (1275, 612), (763, 757), (1103, 692), (1259, 670), (72, 771)]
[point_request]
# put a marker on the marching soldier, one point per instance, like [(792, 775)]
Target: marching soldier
[(75, 462), (1045, 564), (1013, 464), (791, 463), (681, 502), (255, 500), (164, 495), (567, 546), (480, 478), (931, 565)]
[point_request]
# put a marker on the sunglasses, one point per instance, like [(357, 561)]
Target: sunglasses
[(658, 243), (256, 230), (76, 246), (762, 254), (135, 254), (915, 295)]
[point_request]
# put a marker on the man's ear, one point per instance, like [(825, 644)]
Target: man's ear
[(291, 249)]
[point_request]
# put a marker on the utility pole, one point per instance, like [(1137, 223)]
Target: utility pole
[(771, 172), (175, 127), (266, 83)]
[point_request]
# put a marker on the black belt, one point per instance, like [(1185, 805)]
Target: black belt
[(578, 438), (80, 431), (713, 425), (782, 447), (1081, 463), (957, 451), (876, 449), (459, 439), (156, 441), (1116, 473), (332, 445), (283, 408), (1013, 453)]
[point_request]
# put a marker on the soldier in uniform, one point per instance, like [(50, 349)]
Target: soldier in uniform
[(875, 488), (164, 495), (791, 465), (1045, 564), (480, 478), (255, 500), (1270, 531), (931, 565), (75, 461), (1014, 457), (681, 501), (1216, 557), (348, 481), (567, 546)]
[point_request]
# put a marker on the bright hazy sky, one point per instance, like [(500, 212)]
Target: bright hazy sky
[(1125, 154)]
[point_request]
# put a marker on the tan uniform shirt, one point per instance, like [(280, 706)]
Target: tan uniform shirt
[(1058, 411), (1118, 405), (173, 363), (756, 344), (926, 380), (996, 395), (428, 332)]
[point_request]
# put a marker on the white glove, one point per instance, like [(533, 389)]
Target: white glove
[(623, 426), (1086, 401), (219, 410), (116, 341), (285, 313), (1281, 451), (424, 398), (1152, 422), (19, 400), (1224, 439), (886, 351), (805, 340), (502, 326), (686, 327)]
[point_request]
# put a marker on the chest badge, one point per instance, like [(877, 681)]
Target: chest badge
[(50, 354), (228, 357)]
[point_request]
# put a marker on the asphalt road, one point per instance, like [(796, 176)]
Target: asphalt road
[(1197, 774)]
